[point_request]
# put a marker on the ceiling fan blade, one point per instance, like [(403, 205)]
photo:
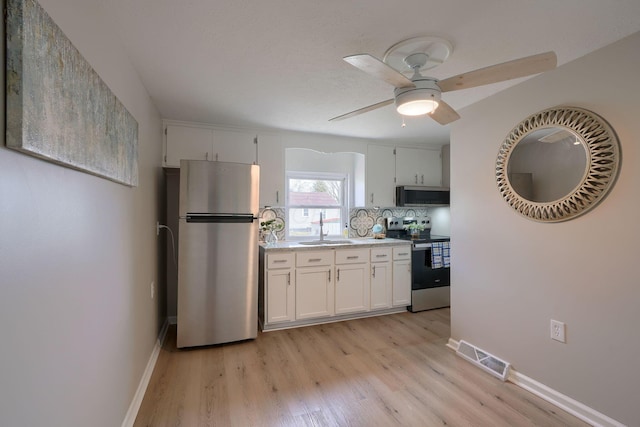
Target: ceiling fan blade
[(497, 73), (362, 110), (444, 114), (373, 66)]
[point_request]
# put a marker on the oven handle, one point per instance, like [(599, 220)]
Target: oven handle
[(421, 246)]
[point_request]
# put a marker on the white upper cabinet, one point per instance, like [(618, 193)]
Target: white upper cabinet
[(271, 161), (418, 166), (187, 142), (234, 146), (203, 143), (381, 171), (200, 142), (446, 170)]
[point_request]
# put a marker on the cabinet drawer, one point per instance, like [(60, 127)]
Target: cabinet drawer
[(311, 259), (437, 277), (280, 260), (381, 254), (352, 256), (402, 252)]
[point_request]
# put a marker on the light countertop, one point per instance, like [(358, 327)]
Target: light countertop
[(354, 243)]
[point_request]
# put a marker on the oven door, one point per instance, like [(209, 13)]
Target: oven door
[(429, 287)]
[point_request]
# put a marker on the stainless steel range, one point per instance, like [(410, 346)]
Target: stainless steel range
[(430, 287)]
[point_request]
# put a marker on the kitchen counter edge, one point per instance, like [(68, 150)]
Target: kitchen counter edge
[(358, 243)]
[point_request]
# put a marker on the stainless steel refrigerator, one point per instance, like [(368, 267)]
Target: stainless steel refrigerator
[(217, 253)]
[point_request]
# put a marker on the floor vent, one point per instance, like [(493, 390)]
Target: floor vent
[(484, 360)]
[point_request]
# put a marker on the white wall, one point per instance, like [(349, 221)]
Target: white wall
[(77, 256), (511, 275)]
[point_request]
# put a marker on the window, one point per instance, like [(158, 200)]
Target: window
[(312, 194)]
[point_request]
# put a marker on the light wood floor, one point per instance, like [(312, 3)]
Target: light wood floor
[(390, 370)]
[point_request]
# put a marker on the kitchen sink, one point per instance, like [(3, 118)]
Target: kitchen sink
[(325, 242)]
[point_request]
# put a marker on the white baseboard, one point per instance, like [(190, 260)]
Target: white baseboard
[(453, 344), (134, 407), (562, 401), (566, 403)]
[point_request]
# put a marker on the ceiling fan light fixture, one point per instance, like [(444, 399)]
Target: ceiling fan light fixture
[(423, 99), (417, 107)]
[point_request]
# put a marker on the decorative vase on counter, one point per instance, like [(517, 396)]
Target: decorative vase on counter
[(269, 229), (271, 238)]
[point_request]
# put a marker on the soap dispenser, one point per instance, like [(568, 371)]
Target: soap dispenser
[(345, 232)]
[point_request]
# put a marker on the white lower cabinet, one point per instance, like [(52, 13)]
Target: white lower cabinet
[(298, 286), (381, 278), (352, 281), (314, 285), (402, 276), (280, 288)]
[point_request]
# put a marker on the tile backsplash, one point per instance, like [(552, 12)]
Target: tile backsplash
[(361, 220)]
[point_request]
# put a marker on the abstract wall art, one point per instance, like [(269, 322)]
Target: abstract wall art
[(57, 106)]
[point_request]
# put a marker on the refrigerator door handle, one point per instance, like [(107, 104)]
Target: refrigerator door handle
[(220, 218)]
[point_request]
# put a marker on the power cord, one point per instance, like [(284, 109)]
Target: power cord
[(173, 243)]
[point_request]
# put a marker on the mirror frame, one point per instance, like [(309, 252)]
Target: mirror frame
[(603, 160)]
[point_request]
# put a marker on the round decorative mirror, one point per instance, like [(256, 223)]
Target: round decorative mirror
[(557, 164)]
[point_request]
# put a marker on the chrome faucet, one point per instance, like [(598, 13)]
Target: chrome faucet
[(321, 224)]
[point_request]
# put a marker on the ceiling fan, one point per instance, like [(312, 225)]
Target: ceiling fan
[(420, 94)]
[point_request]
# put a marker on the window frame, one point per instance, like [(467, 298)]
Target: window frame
[(317, 176)]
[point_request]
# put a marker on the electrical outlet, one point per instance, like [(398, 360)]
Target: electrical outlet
[(557, 331), (153, 289)]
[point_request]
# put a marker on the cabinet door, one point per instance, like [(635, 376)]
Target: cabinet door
[(280, 296), (418, 166), (352, 288), (234, 146), (381, 171), (271, 161), (401, 283), (314, 292), (186, 142), (381, 285)]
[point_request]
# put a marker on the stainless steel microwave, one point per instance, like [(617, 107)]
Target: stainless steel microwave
[(413, 195)]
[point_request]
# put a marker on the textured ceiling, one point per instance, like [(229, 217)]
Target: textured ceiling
[(278, 63)]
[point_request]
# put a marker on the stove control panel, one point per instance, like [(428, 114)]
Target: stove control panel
[(398, 223)]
